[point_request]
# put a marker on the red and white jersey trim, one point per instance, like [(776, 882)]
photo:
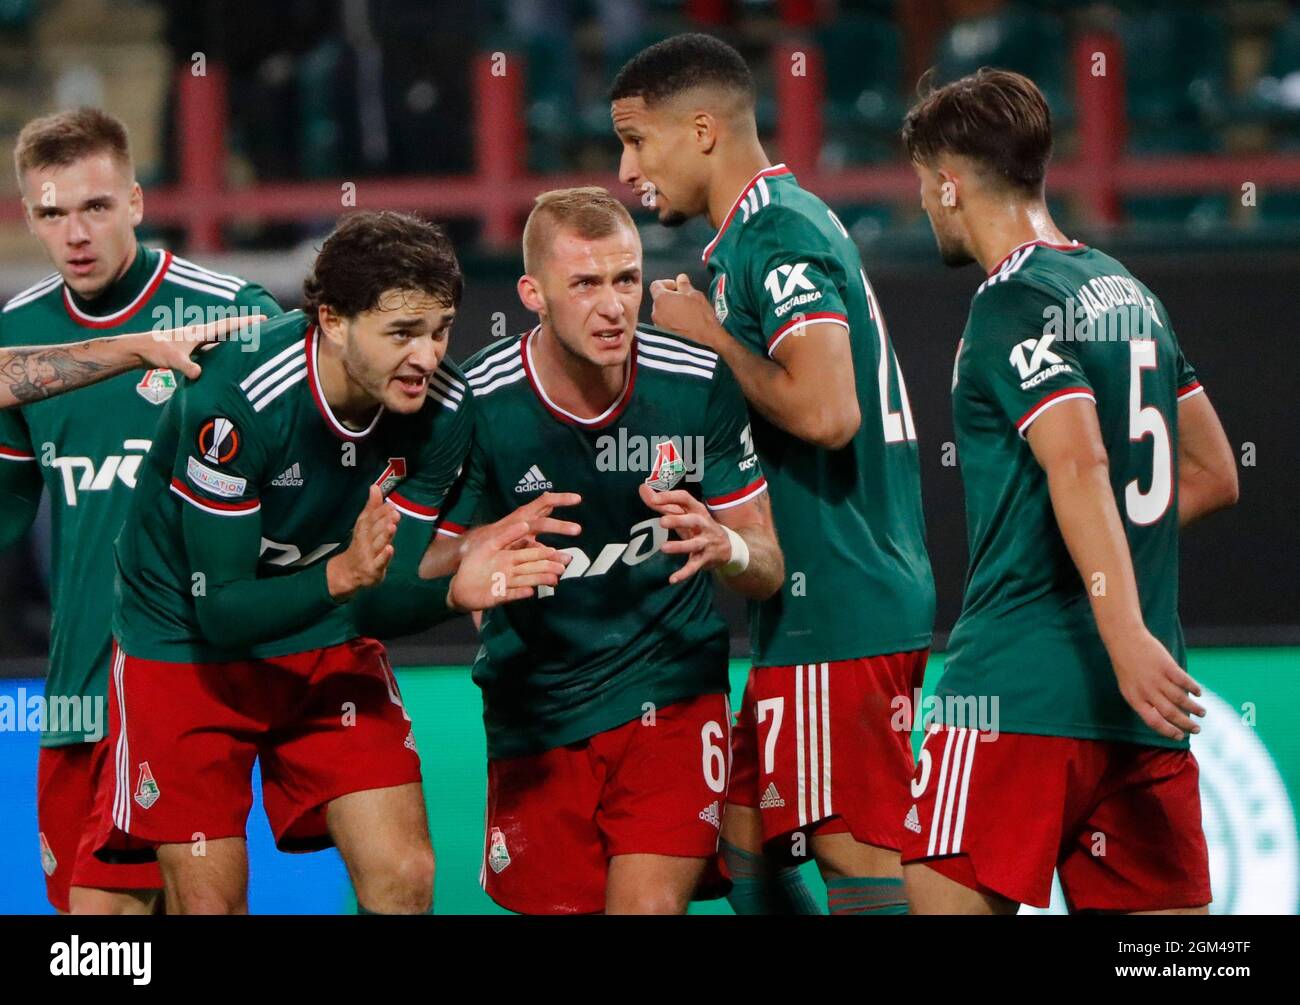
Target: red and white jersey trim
[(604, 418), (754, 196), (118, 317), (242, 508), (450, 529), (1055, 398), (1194, 388), (821, 317), (412, 509), (318, 394), (1072, 246), (739, 497), (12, 454)]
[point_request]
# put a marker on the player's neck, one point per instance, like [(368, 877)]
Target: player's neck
[(734, 173), (347, 400), (128, 260), (1005, 226), (575, 384)]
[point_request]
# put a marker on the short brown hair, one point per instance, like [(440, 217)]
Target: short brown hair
[(66, 137), (369, 253), (995, 117), (590, 212)]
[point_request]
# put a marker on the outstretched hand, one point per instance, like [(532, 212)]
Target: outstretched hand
[(700, 537), (503, 561), (172, 348)]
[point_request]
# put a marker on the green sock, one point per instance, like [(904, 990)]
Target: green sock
[(866, 895), (757, 888)]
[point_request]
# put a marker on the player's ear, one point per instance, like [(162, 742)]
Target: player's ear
[(332, 323), (137, 204), (949, 188), (530, 294), (705, 128)]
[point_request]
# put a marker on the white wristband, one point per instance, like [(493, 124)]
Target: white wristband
[(739, 560)]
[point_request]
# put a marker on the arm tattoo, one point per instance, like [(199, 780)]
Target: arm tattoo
[(44, 371)]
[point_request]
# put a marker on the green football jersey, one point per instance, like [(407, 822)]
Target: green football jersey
[(252, 484), (858, 580), (86, 448), (613, 637), (1053, 324)]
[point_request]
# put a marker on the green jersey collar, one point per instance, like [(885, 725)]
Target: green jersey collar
[(120, 302), (318, 395), (601, 420), (1072, 246), (752, 197)]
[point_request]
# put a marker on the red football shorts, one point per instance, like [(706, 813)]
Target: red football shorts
[(66, 781), (555, 819), (183, 736), (826, 748), (1119, 822)]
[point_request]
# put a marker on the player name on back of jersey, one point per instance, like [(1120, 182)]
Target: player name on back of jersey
[(1111, 308)]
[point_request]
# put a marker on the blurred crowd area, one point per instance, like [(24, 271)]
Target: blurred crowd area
[(351, 89)]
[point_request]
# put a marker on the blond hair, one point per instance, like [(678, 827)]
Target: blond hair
[(590, 212)]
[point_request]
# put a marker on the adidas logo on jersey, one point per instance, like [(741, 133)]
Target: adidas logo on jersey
[(913, 820), (533, 481), (771, 798), (289, 478), (711, 814)]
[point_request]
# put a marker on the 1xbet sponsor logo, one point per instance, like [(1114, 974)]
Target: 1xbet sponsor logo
[(1031, 356), (789, 287)]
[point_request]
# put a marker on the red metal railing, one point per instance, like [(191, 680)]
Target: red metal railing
[(500, 191)]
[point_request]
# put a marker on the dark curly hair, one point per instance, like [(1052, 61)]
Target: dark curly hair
[(370, 253)]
